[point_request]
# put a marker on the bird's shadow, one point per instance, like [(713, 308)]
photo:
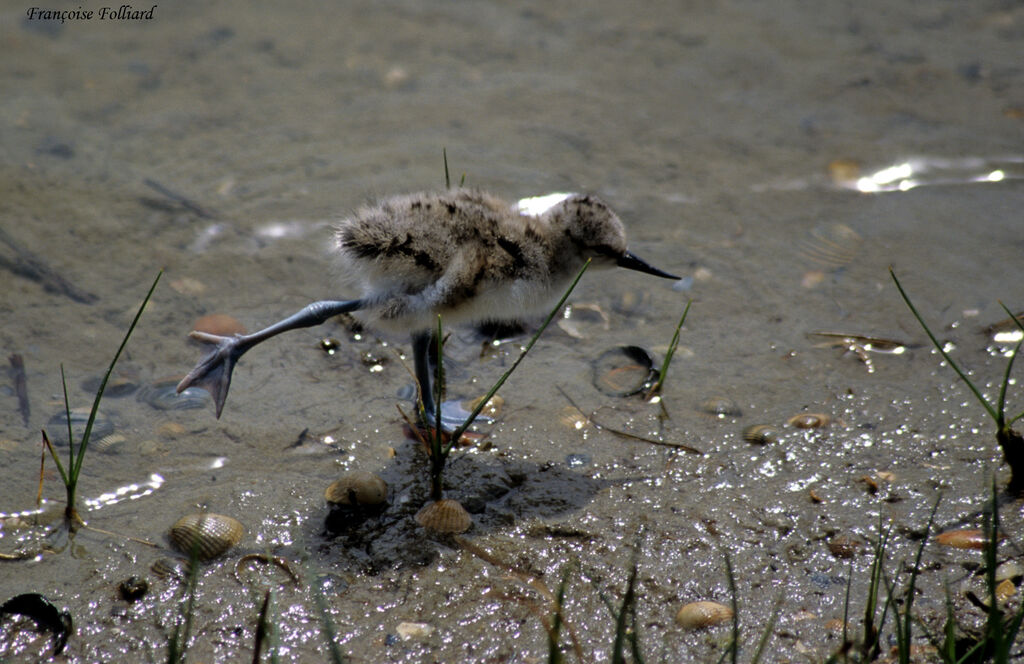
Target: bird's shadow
[(498, 490)]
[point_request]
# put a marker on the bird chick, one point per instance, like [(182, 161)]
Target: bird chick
[(462, 254)]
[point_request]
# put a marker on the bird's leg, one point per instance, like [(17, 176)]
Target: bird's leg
[(213, 372), (421, 343), (424, 347)]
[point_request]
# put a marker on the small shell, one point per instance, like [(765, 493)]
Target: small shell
[(831, 245), (491, 409), (963, 539), (571, 417), (219, 324), (720, 407), (1011, 569), (414, 630), (57, 427), (761, 434), (624, 370), (209, 535), (121, 383), (163, 394), (112, 443), (357, 488), (170, 568), (444, 516), (844, 546), (133, 588), (697, 615), (809, 420), (1005, 590)]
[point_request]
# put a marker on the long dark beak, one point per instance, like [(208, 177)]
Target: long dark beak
[(632, 262)]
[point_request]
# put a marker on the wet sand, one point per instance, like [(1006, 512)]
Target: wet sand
[(742, 147)]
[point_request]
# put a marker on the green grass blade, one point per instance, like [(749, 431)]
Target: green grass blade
[(672, 345), (846, 613), (178, 644), (1006, 376), (948, 648), (328, 630), (501, 381), (103, 385), (1001, 405), (621, 626), (265, 630), (56, 459), (974, 390), (1012, 627), (447, 179), (734, 646), (67, 416), (994, 626), (905, 618), (554, 650), (870, 645), (769, 628), (1012, 316)]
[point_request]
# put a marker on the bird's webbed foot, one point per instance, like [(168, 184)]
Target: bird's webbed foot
[(213, 371)]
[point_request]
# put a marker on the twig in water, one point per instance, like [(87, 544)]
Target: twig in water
[(20, 385), (626, 434), (184, 201), (30, 266)]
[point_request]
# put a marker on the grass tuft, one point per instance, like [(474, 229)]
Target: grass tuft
[(672, 345), (69, 474), (1010, 441)]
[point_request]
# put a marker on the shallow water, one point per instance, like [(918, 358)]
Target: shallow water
[(739, 143)]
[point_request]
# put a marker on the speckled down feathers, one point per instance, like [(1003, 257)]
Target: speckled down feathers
[(468, 256)]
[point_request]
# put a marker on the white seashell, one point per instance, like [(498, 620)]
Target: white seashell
[(697, 615)]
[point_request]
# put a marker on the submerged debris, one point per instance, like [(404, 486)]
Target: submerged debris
[(26, 264), (20, 386), (861, 345)]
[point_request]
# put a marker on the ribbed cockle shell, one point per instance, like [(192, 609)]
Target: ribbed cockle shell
[(209, 535), (444, 516)]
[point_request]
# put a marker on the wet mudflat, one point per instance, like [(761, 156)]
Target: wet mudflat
[(780, 161)]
